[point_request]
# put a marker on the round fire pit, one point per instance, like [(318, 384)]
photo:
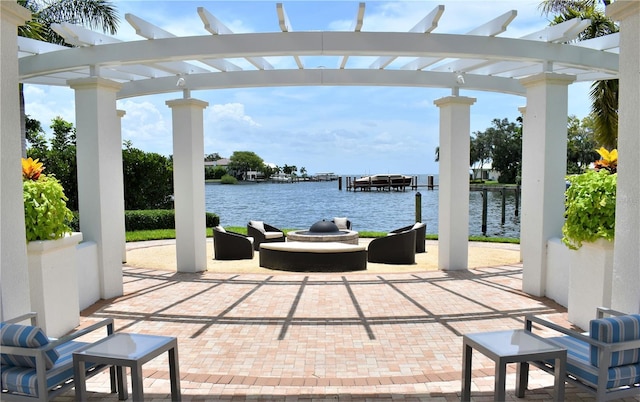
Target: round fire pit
[(324, 231)]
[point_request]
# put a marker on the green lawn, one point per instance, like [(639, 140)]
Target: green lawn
[(160, 234)]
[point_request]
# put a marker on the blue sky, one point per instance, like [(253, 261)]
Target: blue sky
[(345, 130)]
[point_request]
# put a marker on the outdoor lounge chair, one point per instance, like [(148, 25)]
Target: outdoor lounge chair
[(421, 233), (604, 361), (231, 246), (393, 249), (36, 368), (263, 233)]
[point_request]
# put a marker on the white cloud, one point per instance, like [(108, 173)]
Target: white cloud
[(44, 103), (146, 126), (231, 112)]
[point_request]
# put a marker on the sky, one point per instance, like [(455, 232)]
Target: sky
[(344, 130)]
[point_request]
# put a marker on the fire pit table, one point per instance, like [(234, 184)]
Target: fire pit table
[(313, 257), (324, 231)]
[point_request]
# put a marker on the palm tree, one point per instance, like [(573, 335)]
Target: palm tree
[(94, 14), (603, 94)]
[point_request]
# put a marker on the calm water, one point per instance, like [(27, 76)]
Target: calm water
[(299, 205)]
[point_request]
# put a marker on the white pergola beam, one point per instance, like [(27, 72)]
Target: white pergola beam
[(462, 65), (32, 46), (421, 63), (179, 67), (490, 29), (496, 26), (607, 42), (320, 44), (79, 36), (502, 67), (318, 77), (146, 29), (283, 19), (216, 27), (285, 26), (355, 27), (359, 19), (563, 32), (212, 24), (150, 31), (425, 25), (430, 22)]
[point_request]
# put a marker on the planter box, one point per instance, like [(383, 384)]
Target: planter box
[(88, 276), (558, 271), (53, 283), (590, 282)]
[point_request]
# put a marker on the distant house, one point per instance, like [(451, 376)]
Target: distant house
[(483, 172), (253, 175), (224, 162)]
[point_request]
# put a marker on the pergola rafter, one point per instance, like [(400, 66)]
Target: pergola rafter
[(485, 60)]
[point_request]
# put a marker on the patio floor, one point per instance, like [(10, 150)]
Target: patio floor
[(302, 337)]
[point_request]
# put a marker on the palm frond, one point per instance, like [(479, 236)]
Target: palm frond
[(604, 98), (562, 6), (94, 14)]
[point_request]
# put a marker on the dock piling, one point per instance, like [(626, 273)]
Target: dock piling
[(484, 211)]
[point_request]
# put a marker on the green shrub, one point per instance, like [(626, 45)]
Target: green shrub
[(159, 219), (228, 179), (151, 219), (46, 214), (591, 208)]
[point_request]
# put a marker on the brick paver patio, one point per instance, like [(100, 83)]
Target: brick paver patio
[(315, 337)]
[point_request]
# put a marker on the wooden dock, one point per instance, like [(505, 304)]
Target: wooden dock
[(379, 185)]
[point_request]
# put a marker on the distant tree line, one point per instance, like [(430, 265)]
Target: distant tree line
[(242, 162), (500, 146)]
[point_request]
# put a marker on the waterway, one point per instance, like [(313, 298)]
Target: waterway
[(299, 205)]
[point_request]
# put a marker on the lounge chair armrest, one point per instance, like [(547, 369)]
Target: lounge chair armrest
[(529, 319), (108, 323), (602, 311), (402, 229), (20, 351), (269, 228), (33, 316), (626, 345)]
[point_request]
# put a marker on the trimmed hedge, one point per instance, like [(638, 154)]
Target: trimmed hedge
[(158, 219), (151, 219)]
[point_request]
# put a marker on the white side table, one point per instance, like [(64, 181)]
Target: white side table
[(511, 346), (127, 350)]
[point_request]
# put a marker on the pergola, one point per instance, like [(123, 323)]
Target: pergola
[(539, 66)]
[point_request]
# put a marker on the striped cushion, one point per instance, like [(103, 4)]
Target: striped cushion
[(579, 365), (616, 329), (24, 380), (24, 336)]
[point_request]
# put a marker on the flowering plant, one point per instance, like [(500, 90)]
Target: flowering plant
[(46, 214), (608, 161), (591, 203)]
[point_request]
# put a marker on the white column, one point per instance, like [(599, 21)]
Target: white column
[(188, 183), (100, 192), (120, 178), (14, 277), (626, 254), (453, 188), (544, 166)]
